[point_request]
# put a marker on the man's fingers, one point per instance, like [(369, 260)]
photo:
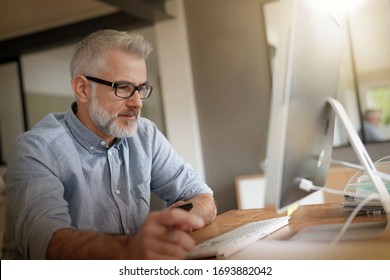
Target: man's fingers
[(162, 235), (151, 248), (178, 218), (166, 250), (181, 238)]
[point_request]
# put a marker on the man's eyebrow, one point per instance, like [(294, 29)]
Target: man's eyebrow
[(127, 82)]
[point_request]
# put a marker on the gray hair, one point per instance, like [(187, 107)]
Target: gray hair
[(89, 55)]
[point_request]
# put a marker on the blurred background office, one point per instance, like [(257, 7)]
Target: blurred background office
[(211, 70), (371, 129)]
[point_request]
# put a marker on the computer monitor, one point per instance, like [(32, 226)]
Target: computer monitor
[(304, 109), (306, 72)]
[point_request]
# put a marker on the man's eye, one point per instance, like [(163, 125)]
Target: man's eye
[(125, 87)]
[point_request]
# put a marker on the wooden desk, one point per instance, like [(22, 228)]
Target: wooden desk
[(277, 246)]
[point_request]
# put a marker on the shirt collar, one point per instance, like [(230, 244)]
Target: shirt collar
[(89, 140)]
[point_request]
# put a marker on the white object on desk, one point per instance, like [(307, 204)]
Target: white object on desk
[(250, 191), (314, 198)]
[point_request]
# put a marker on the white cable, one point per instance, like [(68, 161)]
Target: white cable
[(307, 185), (346, 164)]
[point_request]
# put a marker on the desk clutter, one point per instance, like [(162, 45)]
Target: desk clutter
[(360, 187)]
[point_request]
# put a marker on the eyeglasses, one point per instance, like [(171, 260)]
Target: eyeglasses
[(125, 89)]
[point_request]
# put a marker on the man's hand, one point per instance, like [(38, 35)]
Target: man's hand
[(161, 237), (203, 206)]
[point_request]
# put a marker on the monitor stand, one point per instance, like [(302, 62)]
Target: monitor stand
[(357, 231)]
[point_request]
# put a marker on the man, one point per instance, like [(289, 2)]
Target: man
[(78, 184), (372, 120)]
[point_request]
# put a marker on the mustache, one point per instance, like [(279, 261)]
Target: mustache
[(130, 113)]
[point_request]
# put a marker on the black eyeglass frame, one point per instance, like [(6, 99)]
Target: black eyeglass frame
[(115, 85)]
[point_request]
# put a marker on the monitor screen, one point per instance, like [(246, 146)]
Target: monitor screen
[(306, 72)]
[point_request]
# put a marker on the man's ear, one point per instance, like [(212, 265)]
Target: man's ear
[(81, 88)]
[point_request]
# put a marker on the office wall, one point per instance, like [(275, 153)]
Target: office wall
[(232, 88)]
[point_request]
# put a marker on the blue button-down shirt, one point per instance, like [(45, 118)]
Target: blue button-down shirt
[(62, 175)]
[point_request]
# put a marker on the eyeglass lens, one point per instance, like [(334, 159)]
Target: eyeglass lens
[(126, 90)]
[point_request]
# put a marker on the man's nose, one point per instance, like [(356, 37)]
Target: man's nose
[(134, 100)]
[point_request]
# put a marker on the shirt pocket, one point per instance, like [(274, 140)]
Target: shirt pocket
[(140, 202)]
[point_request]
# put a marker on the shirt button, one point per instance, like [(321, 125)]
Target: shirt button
[(92, 148), (118, 192), (103, 143)]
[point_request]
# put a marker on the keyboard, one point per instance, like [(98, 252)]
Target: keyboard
[(225, 245)]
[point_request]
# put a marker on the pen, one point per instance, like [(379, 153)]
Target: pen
[(187, 206)]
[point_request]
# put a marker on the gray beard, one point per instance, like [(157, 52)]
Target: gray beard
[(109, 124)]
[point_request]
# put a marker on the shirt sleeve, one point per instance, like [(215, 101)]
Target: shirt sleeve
[(38, 208), (173, 179)]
